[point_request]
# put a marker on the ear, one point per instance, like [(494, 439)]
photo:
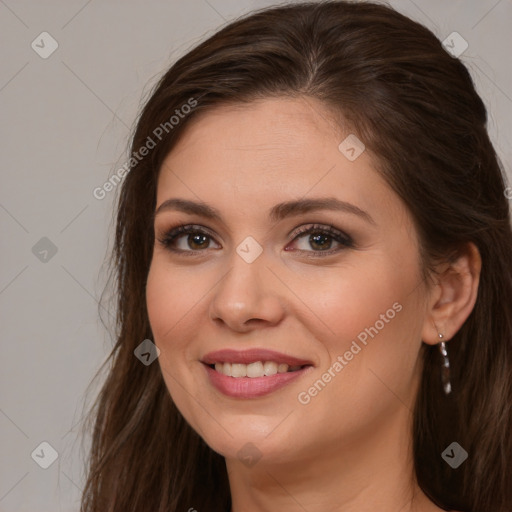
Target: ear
[(453, 295)]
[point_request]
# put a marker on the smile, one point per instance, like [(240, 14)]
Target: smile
[(252, 373), (254, 370)]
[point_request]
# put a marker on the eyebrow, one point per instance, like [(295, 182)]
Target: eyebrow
[(276, 213)]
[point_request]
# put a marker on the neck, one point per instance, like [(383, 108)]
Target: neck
[(374, 471)]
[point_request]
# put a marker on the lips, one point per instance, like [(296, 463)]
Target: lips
[(252, 356), (244, 387)]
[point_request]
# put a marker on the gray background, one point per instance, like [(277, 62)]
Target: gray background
[(65, 126)]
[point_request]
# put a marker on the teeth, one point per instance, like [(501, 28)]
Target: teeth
[(238, 370), (269, 368), (256, 369)]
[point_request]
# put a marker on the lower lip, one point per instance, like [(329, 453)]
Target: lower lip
[(252, 387)]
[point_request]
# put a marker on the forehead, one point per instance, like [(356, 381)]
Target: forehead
[(265, 152), (271, 128)]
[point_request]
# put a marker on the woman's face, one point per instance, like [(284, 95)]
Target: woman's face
[(347, 305)]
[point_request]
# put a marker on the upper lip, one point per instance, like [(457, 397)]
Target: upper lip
[(251, 356)]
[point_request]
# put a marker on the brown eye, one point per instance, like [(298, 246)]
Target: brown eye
[(321, 238), (197, 239)]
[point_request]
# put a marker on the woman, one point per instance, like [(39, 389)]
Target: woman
[(314, 278)]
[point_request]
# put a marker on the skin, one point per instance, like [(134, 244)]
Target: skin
[(349, 448)]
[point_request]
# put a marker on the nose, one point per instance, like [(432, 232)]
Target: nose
[(248, 296)]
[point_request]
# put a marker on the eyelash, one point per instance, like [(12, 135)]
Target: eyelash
[(172, 234)]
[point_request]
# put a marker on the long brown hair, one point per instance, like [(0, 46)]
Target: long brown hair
[(415, 107)]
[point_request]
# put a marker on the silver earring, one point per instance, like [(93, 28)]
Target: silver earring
[(445, 368)]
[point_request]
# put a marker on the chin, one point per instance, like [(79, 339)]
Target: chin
[(253, 442)]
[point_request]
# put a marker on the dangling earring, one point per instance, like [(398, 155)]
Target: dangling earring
[(445, 368)]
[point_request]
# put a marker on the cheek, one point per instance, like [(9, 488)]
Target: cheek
[(371, 318), (176, 298), (374, 317), (359, 306), (160, 299), (373, 294), (171, 295)]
